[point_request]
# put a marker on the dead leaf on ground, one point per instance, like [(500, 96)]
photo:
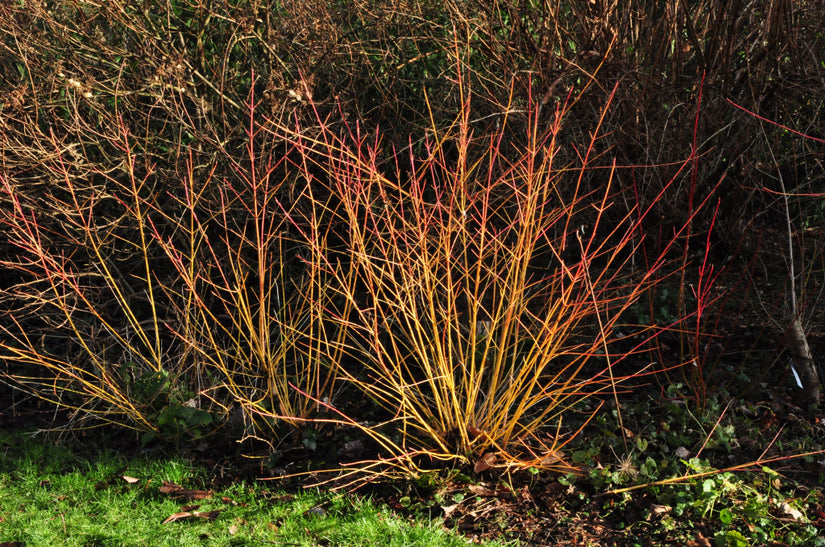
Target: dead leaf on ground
[(448, 509), (479, 490), (176, 491), (553, 457), (208, 515), (130, 480), (476, 433), (485, 462), (700, 541), (789, 511)]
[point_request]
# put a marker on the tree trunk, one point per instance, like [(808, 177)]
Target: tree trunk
[(803, 364)]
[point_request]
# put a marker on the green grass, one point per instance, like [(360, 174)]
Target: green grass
[(50, 495)]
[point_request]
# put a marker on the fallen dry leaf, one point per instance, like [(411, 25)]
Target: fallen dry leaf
[(176, 491), (699, 541), (789, 511), (176, 516), (208, 515), (130, 480), (481, 490), (552, 457), (485, 462), (476, 433), (448, 509)]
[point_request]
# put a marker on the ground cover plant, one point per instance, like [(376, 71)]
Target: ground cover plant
[(515, 265), (653, 500)]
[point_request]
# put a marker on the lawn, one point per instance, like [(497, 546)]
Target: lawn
[(51, 495)]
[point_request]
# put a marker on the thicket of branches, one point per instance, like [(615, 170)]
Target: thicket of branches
[(141, 96)]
